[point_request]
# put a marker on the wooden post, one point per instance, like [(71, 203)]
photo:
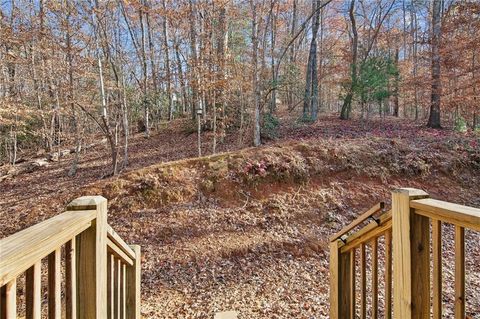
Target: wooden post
[(411, 256), (91, 260), (133, 279), (340, 282)]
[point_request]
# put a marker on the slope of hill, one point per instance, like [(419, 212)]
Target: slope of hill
[(247, 230)]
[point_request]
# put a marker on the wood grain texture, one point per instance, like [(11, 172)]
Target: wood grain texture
[(38, 241), (11, 299), (410, 257), (91, 258), (465, 216)]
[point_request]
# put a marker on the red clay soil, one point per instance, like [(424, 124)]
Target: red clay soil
[(248, 231)]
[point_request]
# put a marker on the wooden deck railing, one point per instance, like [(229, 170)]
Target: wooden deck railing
[(405, 235), (99, 271)]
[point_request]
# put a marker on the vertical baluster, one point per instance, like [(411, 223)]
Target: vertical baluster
[(33, 291), (70, 280), (124, 293), (111, 286), (133, 279), (352, 283), (437, 268), (363, 283), (3, 307), (375, 278), (388, 274), (118, 281), (459, 272), (54, 285), (9, 300)]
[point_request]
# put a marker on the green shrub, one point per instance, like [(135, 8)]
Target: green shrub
[(270, 126), (460, 124)]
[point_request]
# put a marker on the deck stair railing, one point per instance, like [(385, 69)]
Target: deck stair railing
[(405, 233), (90, 271)]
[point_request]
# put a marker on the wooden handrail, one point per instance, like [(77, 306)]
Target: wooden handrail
[(369, 232), (21, 250), (102, 272), (117, 240), (465, 216), (369, 213), (409, 229)]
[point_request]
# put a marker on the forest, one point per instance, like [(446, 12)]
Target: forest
[(74, 71), (233, 138)]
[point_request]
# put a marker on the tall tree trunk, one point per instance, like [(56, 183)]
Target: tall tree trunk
[(434, 119), (413, 17), (347, 102), (194, 64), (181, 77), (396, 89), (310, 102), (167, 62), (71, 95), (476, 116), (293, 31), (104, 115), (255, 86), (273, 31), (146, 102)]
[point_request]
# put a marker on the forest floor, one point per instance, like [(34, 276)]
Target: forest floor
[(248, 229)]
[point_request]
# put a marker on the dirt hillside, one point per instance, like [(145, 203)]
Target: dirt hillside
[(248, 230)]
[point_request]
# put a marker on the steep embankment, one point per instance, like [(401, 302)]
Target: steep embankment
[(248, 230)]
